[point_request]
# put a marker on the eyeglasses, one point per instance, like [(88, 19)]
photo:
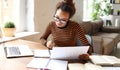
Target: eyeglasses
[(60, 20)]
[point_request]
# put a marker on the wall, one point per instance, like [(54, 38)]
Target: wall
[(44, 11), (78, 17)]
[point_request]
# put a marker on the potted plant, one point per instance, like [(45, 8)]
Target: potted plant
[(9, 29), (99, 10), (96, 10)]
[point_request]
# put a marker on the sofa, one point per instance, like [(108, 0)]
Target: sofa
[(104, 39)]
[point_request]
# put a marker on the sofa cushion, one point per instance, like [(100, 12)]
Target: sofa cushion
[(114, 36), (111, 29), (87, 27), (96, 26), (108, 44), (97, 43)]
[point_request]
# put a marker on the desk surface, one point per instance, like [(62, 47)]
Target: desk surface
[(17, 63)]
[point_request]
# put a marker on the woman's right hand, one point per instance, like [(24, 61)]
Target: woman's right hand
[(50, 44)]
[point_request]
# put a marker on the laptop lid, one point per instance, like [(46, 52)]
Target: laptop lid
[(17, 51), (68, 52)]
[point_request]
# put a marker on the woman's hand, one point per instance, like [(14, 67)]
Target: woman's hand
[(84, 58), (50, 44)]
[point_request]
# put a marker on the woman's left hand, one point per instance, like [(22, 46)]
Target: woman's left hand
[(84, 58)]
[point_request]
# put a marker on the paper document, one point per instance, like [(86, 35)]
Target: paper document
[(86, 66), (105, 60), (76, 66), (43, 63), (57, 65), (111, 68), (68, 52), (41, 53), (38, 63)]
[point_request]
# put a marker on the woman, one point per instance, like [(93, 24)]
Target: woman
[(64, 31)]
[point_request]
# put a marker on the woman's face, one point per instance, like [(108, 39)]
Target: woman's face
[(61, 18)]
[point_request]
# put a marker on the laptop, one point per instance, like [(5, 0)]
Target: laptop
[(68, 52), (17, 51)]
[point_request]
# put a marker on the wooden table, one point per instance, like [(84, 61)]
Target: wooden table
[(17, 63)]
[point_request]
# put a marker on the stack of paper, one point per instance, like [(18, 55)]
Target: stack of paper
[(105, 60), (52, 62)]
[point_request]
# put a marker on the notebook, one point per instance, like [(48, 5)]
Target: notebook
[(105, 60), (68, 52), (47, 64), (17, 51)]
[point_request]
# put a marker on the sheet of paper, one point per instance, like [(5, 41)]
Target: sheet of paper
[(111, 59), (96, 59), (111, 68), (57, 65), (38, 63), (41, 53), (44, 63), (68, 52), (86, 66), (105, 60), (90, 66), (76, 66)]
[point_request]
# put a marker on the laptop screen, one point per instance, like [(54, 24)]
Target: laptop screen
[(17, 50)]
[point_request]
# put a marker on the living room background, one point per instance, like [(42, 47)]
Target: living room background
[(40, 13)]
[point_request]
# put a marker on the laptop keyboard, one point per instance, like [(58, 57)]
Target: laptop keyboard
[(14, 50)]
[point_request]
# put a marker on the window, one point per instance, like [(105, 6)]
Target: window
[(18, 11), (96, 9), (87, 10), (0, 13)]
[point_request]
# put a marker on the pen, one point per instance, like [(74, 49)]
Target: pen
[(50, 48), (47, 63), (49, 51)]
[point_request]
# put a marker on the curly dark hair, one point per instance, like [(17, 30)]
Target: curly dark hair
[(67, 6)]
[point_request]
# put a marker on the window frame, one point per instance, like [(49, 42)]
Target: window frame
[(19, 15)]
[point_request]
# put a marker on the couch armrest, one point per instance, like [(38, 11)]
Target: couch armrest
[(97, 44), (111, 29)]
